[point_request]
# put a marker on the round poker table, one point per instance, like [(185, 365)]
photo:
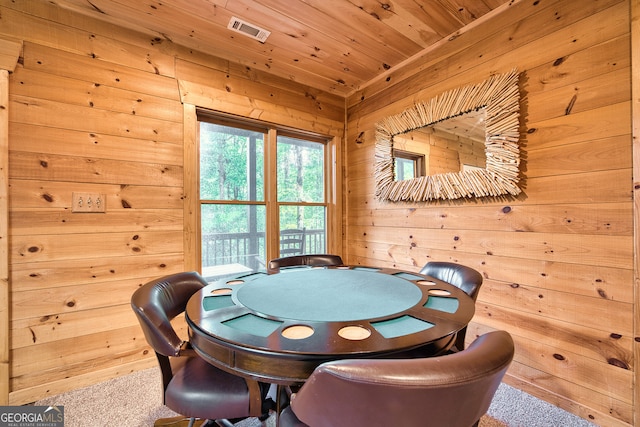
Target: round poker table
[(280, 327)]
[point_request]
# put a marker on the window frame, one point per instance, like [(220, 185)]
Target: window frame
[(193, 240), (417, 159)]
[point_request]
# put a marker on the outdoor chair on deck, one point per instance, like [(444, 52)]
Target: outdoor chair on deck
[(465, 278), (313, 260), (191, 386), (292, 242), (454, 390)]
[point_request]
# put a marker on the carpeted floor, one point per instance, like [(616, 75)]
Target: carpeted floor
[(134, 401)]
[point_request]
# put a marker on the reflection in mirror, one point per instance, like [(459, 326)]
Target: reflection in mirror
[(408, 165), (497, 99), (451, 145)]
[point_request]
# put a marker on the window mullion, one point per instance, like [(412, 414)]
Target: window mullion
[(331, 170), (271, 195)]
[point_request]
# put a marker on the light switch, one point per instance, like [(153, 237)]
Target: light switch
[(89, 202)]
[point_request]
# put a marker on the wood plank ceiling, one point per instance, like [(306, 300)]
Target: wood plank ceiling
[(334, 45)]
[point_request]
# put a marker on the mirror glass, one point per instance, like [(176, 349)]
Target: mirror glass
[(461, 143), (452, 145)]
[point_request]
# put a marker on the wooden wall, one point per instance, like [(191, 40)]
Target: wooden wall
[(94, 108), (558, 259), (9, 53), (99, 109)]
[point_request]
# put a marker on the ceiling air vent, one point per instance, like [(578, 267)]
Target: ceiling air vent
[(249, 30)]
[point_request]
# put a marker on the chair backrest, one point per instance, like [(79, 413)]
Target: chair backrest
[(451, 390), (461, 276), (159, 301), (314, 260), (292, 242)]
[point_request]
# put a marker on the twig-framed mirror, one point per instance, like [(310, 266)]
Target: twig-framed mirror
[(499, 96)]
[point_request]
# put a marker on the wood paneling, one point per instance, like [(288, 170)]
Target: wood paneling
[(191, 203), (606, 410), (9, 51), (635, 124), (5, 295), (247, 100), (260, 86), (558, 259), (97, 108), (102, 97), (568, 29), (612, 251), (333, 46), (67, 32)]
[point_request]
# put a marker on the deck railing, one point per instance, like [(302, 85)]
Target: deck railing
[(248, 249)]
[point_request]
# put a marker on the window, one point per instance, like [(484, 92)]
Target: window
[(259, 185), (408, 165)]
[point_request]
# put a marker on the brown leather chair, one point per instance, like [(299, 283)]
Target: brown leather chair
[(192, 387), (454, 390), (465, 278), (314, 260)]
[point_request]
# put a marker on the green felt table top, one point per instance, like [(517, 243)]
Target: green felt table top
[(329, 295)]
